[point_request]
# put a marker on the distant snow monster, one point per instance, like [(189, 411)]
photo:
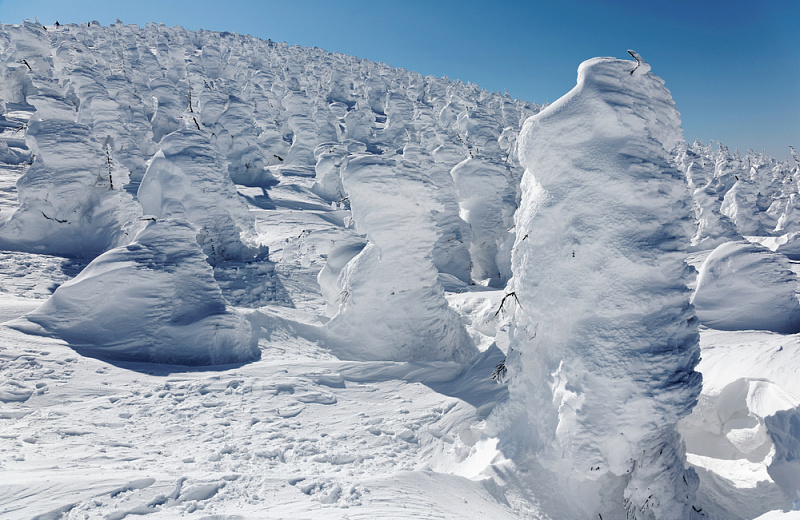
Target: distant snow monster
[(605, 340)]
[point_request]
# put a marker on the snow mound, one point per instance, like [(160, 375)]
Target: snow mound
[(154, 300), (789, 245), (746, 286), (604, 339)]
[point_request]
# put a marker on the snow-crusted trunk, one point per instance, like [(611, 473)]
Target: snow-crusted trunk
[(605, 340)]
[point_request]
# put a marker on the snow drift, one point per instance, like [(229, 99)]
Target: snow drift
[(605, 341), (153, 300)]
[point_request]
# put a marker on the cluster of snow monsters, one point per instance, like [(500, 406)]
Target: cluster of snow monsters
[(157, 125), (139, 137), (737, 196)]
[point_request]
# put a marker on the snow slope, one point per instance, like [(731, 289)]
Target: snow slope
[(220, 192)]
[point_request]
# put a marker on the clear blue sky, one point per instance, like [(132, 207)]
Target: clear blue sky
[(733, 66)]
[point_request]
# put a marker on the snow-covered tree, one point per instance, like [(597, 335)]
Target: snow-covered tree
[(605, 341), (154, 300), (391, 304)]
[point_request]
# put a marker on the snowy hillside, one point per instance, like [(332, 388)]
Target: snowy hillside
[(242, 279)]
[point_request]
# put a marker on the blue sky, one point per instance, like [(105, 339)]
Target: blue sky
[(733, 66)]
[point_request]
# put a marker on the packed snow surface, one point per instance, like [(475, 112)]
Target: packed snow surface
[(183, 212)]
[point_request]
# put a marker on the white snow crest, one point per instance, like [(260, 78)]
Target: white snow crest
[(605, 341)]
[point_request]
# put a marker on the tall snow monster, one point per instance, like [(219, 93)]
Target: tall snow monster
[(605, 341)]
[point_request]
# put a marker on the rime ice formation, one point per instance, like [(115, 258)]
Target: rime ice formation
[(187, 180), (153, 300), (746, 286), (739, 195), (486, 195), (173, 123), (71, 198), (605, 341), (391, 304), (270, 145), (708, 188)]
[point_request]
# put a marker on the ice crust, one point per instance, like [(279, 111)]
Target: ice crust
[(605, 341)]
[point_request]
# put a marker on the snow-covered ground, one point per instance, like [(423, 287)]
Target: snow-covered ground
[(320, 189)]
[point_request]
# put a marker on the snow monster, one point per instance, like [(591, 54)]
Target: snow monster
[(605, 341)]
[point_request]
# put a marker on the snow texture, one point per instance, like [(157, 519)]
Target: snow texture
[(68, 202), (153, 300), (739, 195), (186, 180), (746, 286), (392, 305), (257, 158), (605, 340)]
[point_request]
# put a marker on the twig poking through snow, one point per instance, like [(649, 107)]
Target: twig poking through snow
[(637, 58), (503, 301)]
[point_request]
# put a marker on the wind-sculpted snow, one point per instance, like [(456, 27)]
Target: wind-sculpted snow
[(745, 286), (187, 180), (164, 123), (319, 186), (605, 341), (708, 191), (153, 300), (68, 202), (487, 198), (391, 304)]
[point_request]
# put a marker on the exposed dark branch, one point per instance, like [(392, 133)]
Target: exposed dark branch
[(51, 218), (635, 57), (503, 301)]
